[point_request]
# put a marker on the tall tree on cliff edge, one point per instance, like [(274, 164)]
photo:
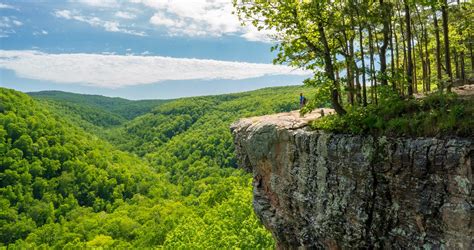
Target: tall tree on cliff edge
[(444, 13), (385, 12), (409, 48), (335, 38), (303, 29), (439, 73)]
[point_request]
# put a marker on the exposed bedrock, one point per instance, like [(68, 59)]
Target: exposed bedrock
[(314, 189)]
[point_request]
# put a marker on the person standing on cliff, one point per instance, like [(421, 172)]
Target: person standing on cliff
[(302, 100)]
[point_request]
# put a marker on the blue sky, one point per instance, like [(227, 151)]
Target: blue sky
[(137, 49)]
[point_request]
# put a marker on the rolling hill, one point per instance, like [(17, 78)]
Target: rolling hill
[(165, 177), (124, 108)]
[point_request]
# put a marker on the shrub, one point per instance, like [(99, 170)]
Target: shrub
[(434, 115)]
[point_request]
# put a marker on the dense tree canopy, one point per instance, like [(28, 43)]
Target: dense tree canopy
[(90, 171), (358, 48), (166, 178), (118, 107)]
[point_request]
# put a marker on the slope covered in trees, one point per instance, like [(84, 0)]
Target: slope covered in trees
[(192, 134), (166, 178), (120, 107), (91, 171)]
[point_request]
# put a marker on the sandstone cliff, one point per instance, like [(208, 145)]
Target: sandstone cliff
[(314, 189)]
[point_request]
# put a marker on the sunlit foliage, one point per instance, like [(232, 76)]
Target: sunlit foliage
[(166, 178)]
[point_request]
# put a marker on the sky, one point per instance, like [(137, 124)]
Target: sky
[(135, 49)]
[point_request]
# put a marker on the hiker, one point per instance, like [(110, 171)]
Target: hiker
[(302, 100)]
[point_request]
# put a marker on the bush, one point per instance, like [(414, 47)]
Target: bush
[(434, 115)]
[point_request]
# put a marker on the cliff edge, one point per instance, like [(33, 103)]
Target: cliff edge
[(315, 189)]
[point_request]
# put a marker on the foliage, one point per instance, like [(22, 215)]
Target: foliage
[(363, 45), (434, 115), (123, 108), (82, 112), (64, 187), (322, 90)]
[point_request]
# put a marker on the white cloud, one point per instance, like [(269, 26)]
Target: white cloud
[(66, 14), (9, 22), (204, 18), (111, 26), (6, 6), (115, 71), (17, 23), (125, 15), (99, 3), (161, 20), (41, 32), (8, 25), (200, 18), (255, 35)]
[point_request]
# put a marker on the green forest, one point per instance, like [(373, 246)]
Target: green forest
[(77, 173), (363, 53), (82, 171)]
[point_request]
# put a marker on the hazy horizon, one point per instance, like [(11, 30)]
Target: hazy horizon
[(135, 50), (173, 98)]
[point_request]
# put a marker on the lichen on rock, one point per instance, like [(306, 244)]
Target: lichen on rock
[(315, 189)]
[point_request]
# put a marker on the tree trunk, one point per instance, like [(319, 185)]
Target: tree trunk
[(423, 63), (404, 46), (438, 50), (361, 45), (397, 51), (338, 78), (392, 60), (415, 78), (409, 58), (354, 63), (463, 70), (428, 62), (420, 38), (373, 79), (349, 80), (422, 59), (444, 13), (329, 70), (383, 49), (356, 71), (357, 83), (349, 74), (364, 86), (456, 64), (472, 56)]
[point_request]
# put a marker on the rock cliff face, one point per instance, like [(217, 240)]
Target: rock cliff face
[(314, 189)]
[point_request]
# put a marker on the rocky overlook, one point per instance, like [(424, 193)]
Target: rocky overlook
[(315, 189)]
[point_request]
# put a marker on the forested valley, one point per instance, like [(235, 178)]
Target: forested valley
[(90, 171), (78, 174)]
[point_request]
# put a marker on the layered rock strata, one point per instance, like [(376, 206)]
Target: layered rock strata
[(314, 189)]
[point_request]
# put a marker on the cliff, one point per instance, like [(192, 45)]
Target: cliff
[(315, 189)]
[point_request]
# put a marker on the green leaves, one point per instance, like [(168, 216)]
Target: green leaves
[(62, 186), (322, 91), (434, 115)]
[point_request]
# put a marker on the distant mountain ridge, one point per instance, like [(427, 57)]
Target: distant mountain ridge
[(125, 108)]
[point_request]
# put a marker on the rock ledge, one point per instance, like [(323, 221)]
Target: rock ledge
[(314, 189)]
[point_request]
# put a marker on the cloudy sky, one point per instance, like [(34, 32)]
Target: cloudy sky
[(137, 49)]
